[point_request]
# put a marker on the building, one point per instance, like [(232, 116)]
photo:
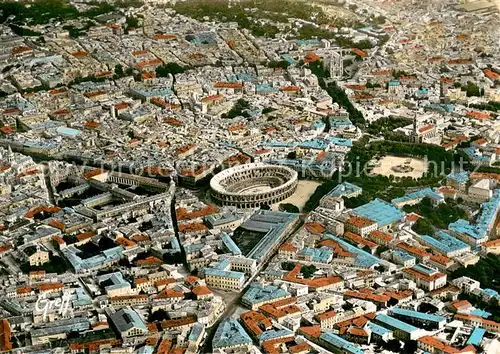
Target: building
[(434, 345), (417, 196), (242, 264), (477, 321), (444, 243), (223, 221), (422, 134), (478, 233), (360, 225), (114, 284), (493, 246), (222, 277), (458, 180), (327, 319), (383, 213), (483, 189), (403, 258), (420, 319), (129, 300), (321, 255), (379, 333), (425, 277), (258, 295), (345, 190), (231, 335), (466, 284), (401, 330), (349, 254), (380, 238), (38, 256), (275, 226), (128, 323), (338, 344), (58, 330), (232, 186)]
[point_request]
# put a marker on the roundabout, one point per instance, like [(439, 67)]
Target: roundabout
[(253, 185)]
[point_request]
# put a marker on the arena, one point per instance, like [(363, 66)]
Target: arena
[(253, 185)]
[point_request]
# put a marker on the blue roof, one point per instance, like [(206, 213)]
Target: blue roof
[(194, 247), (304, 42), (459, 177), (404, 255), (318, 144), (230, 244), (318, 124), (288, 58), (274, 224), (246, 77), (204, 38), (145, 91), (484, 221), (273, 334), (258, 293), (417, 315), (230, 333), (339, 121), (480, 313), (242, 77), (82, 298), (417, 195), (489, 292), (126, 316), (363, 258), (473, 154), (380, 211), (340, 141), (322, 254), (394, 83), (278, 144), (377, 329), (445, 243), (424, 269), (67, 131), (343, 189), (265, 88), (174, 243), (196, 332), (422, 92), (222, 264), (394, 323), (477, 336), (148, 349), (341, 343), (440, 107), (214, 272)]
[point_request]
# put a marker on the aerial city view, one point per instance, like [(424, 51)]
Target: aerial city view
[(249, 176)]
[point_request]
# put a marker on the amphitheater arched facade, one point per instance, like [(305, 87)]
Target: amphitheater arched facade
[(253, 185)]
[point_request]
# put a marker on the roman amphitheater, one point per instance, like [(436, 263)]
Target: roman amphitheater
[(253, 185)]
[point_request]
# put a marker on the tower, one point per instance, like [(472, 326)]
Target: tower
[(336, 64), (414, 138), (10, 156)]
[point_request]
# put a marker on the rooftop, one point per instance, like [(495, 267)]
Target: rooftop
[(380, 211), (391, 322), (230, 334), (341, 343), (258, 293)]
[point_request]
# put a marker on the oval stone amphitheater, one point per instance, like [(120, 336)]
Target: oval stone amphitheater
[(253, 185)]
